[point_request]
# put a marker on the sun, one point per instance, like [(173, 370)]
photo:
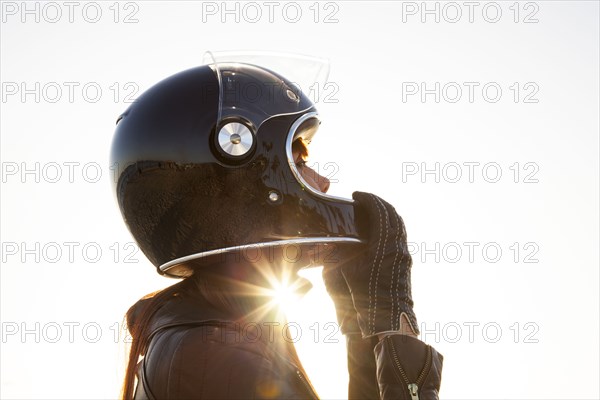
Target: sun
[(284, 294)]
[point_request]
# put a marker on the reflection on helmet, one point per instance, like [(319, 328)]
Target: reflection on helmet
[(205, 166)]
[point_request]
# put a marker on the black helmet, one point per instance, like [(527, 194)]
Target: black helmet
[(205, 168)]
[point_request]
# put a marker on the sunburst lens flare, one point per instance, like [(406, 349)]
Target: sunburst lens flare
[(284, 295)]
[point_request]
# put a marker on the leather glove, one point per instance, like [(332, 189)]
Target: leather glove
[(379, 279), (362, 369), (338, 290)]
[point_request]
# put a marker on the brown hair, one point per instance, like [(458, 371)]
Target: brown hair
[(300, 146)]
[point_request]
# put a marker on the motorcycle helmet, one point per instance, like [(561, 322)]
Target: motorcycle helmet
[(205, 167)]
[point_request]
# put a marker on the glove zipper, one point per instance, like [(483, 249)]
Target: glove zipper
[(413, 388)]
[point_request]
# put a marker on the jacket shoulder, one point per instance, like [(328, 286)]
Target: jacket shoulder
[(209, 362)]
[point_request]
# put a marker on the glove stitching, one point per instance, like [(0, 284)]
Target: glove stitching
[(396, 325), (399, 223), (407, 281), (371, 315), (387, 224), (371, 276)]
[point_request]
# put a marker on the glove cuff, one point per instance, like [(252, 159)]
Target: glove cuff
[(385, 324)]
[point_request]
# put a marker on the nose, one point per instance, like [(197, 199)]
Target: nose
[(315, 180)]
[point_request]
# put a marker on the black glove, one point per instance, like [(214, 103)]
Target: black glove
[(378, 280), (340, 294), (362, 368)]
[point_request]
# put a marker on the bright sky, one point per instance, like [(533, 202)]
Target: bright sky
[(497, 181)]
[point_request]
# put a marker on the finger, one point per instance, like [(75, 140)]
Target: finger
[(334, 281), (368, 215), (390, 212)]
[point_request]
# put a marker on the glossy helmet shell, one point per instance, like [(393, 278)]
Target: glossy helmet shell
[(205, 168)]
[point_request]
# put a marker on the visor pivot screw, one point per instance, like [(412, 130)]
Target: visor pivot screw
[(235, 138), (273, 196)]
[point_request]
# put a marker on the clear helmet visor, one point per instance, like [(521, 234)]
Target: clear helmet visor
[(252, 92), (255, 86)]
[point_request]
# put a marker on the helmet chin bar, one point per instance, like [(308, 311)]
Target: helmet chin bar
[(170, 268)]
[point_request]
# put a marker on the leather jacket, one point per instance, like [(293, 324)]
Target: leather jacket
[(196, 352), (403, 368)]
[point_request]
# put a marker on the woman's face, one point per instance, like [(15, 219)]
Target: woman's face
[(311, 176)]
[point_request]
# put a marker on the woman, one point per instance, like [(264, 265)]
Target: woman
[(217, 334), (214, 165)]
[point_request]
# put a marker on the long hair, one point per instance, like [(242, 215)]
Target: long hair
[(204, 285)]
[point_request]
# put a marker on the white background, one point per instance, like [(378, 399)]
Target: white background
[(533, 309)]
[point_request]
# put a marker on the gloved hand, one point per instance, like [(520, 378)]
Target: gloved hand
[(340, 294), (362, 367), (378, 281)]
